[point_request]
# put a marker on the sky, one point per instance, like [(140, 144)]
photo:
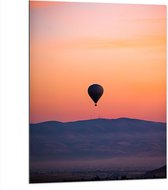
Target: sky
[(119, 46)]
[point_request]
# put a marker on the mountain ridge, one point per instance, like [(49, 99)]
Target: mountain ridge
[(112, 142), (98, 119)]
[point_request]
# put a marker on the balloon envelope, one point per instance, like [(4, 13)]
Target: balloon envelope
[(95, 91)]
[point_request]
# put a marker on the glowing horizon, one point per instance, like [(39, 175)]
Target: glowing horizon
[(121, 47)]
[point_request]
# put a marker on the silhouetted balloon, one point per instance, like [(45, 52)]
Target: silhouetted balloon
[(95, 91)]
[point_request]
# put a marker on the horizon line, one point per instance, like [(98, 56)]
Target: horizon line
[(99, 118)]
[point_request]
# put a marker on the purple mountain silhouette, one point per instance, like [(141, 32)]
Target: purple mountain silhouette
[(122, 142)]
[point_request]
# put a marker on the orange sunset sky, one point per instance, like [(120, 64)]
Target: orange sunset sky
[(119, 46)]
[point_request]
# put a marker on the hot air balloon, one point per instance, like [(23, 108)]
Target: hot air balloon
[(95, 91)]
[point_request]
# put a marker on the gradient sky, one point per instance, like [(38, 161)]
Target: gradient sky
[(122, 47)]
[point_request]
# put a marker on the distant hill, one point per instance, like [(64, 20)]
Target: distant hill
[(122, 142), (157, 173)]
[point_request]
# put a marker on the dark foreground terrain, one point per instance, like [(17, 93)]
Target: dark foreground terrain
[(53, 176)]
